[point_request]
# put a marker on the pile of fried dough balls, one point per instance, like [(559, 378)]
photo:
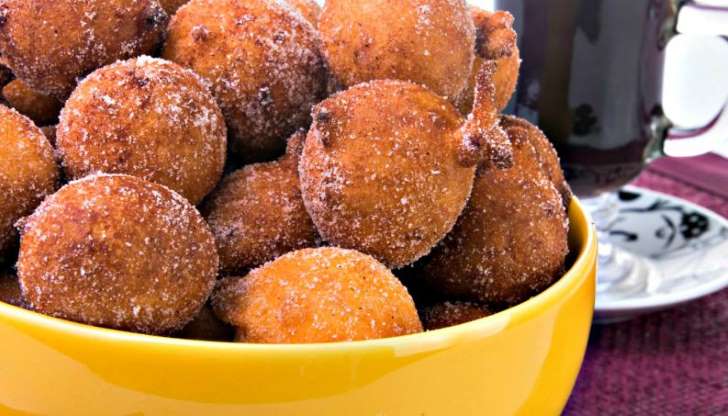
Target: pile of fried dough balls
[(259, 170)]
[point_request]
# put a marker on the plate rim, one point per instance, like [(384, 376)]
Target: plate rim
[(663, 301)]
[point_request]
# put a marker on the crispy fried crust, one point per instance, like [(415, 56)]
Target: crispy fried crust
[(309, 9), (257, 213), (117, 251), (511, 241), (496, 43), (50, 43), (380, 170), (28, 171), (547, 156), (149, 118), (446, 314), (317, 295), (429, 42), (41, 108), (263, 61)]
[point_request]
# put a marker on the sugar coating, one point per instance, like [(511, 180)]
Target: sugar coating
[(317, 295), (446, 314), (263, 61), (496, 42), (308, 9), (257, 213), (28, 171), (510, 242), (50, 43), (149, 118), (117, 251), (521, 129), (380, 170), (42, 109), (429, 42)]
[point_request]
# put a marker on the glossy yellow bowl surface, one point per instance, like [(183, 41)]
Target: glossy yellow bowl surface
[(523, 360)]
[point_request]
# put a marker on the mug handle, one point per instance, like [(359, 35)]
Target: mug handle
[(700, 19)]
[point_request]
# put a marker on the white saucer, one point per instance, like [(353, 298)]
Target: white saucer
[(685, 245)]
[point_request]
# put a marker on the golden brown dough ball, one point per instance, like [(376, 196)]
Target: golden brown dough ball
[(264, 62), (257, 213), (309, 9), (50, 43), (496, 41), (545, 152), (317, 295), (117, 251), (28, 171), (429, 42), (171, 6), (511, 241), (207, 327), (386, 169), (42, 109), (10, 290), (149, 118), (446, 314)]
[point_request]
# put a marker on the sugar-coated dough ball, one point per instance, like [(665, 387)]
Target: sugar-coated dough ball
[(264, 62), (429, 42), (309, 9), (257, 213), (28, 171), (42, 109), (117, 251), (49, 44), (149, 118), (496, 42), (511, 241), (380, 171), (317, 295)]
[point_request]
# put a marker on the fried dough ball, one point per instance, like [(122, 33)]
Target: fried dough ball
[(117, 251), (309, 9), (41, 108), (257, 213), (386, 169), (496, 41), (264, 62), (171, 6), (317, 295), (149, 118), (10, 290), (28, 171), (428, 42), (511, 241), (207, 327), (50, 43), (446, 314), (545, 152)]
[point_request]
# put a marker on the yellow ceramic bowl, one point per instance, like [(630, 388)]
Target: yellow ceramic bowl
[(523, 360)]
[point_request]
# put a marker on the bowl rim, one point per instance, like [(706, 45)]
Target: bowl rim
[(425, 340)]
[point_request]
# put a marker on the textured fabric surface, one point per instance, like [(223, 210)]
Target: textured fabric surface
[(667, 363)]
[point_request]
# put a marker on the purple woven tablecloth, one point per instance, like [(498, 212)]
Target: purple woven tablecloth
[(673, 362)]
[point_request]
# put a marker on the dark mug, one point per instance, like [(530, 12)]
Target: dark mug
[(591, 78)]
